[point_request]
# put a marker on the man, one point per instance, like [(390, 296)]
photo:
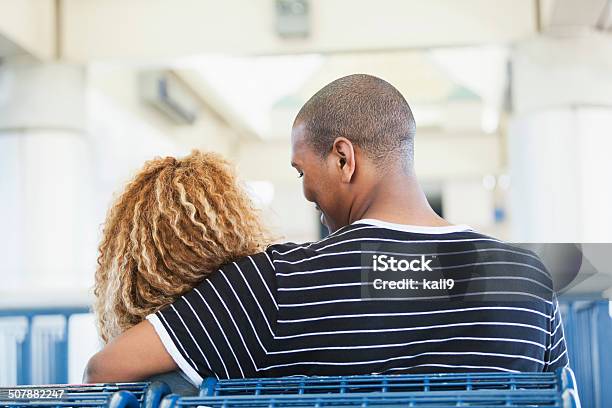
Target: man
[(467, 302)]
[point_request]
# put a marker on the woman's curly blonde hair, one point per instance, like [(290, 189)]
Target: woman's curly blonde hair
[(177, 221)]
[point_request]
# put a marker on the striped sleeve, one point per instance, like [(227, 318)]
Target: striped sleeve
[(225, 325), (556, 350)]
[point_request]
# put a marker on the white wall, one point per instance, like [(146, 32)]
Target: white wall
[(560, 168)]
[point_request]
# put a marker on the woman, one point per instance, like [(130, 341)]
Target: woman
[(175, 222)]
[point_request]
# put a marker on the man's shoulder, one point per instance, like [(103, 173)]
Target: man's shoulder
[(281, 248), (511, 253), (522, 249)]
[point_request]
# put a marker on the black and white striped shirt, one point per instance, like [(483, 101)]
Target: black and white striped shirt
[(301, 310)]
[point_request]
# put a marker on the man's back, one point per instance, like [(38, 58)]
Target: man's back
[(468, 303)]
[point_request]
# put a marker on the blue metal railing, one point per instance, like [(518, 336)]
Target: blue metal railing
[(119, 395), (440, 390), (35, 345), (388, 400), (119, 399), (386, 383), (588, 330)]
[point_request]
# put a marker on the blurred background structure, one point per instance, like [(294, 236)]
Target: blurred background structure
[(512, 98)]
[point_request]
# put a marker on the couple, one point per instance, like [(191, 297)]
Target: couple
[(189, 282)]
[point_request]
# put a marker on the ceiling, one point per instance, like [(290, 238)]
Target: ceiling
[(270, 89)]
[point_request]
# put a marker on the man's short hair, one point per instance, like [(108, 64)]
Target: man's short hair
[(368, 111)]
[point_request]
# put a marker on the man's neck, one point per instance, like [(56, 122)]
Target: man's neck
[(397, 199)]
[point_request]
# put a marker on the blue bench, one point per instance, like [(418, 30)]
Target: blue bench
[(431, 390), (119, 395), (440, 390)]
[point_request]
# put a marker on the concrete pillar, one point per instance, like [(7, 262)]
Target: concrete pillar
[(560, 139), (47, 238)]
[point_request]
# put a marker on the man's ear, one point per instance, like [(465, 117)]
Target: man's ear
[(343, 154)]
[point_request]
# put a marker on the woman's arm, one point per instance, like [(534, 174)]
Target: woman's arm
[(133, 356)]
